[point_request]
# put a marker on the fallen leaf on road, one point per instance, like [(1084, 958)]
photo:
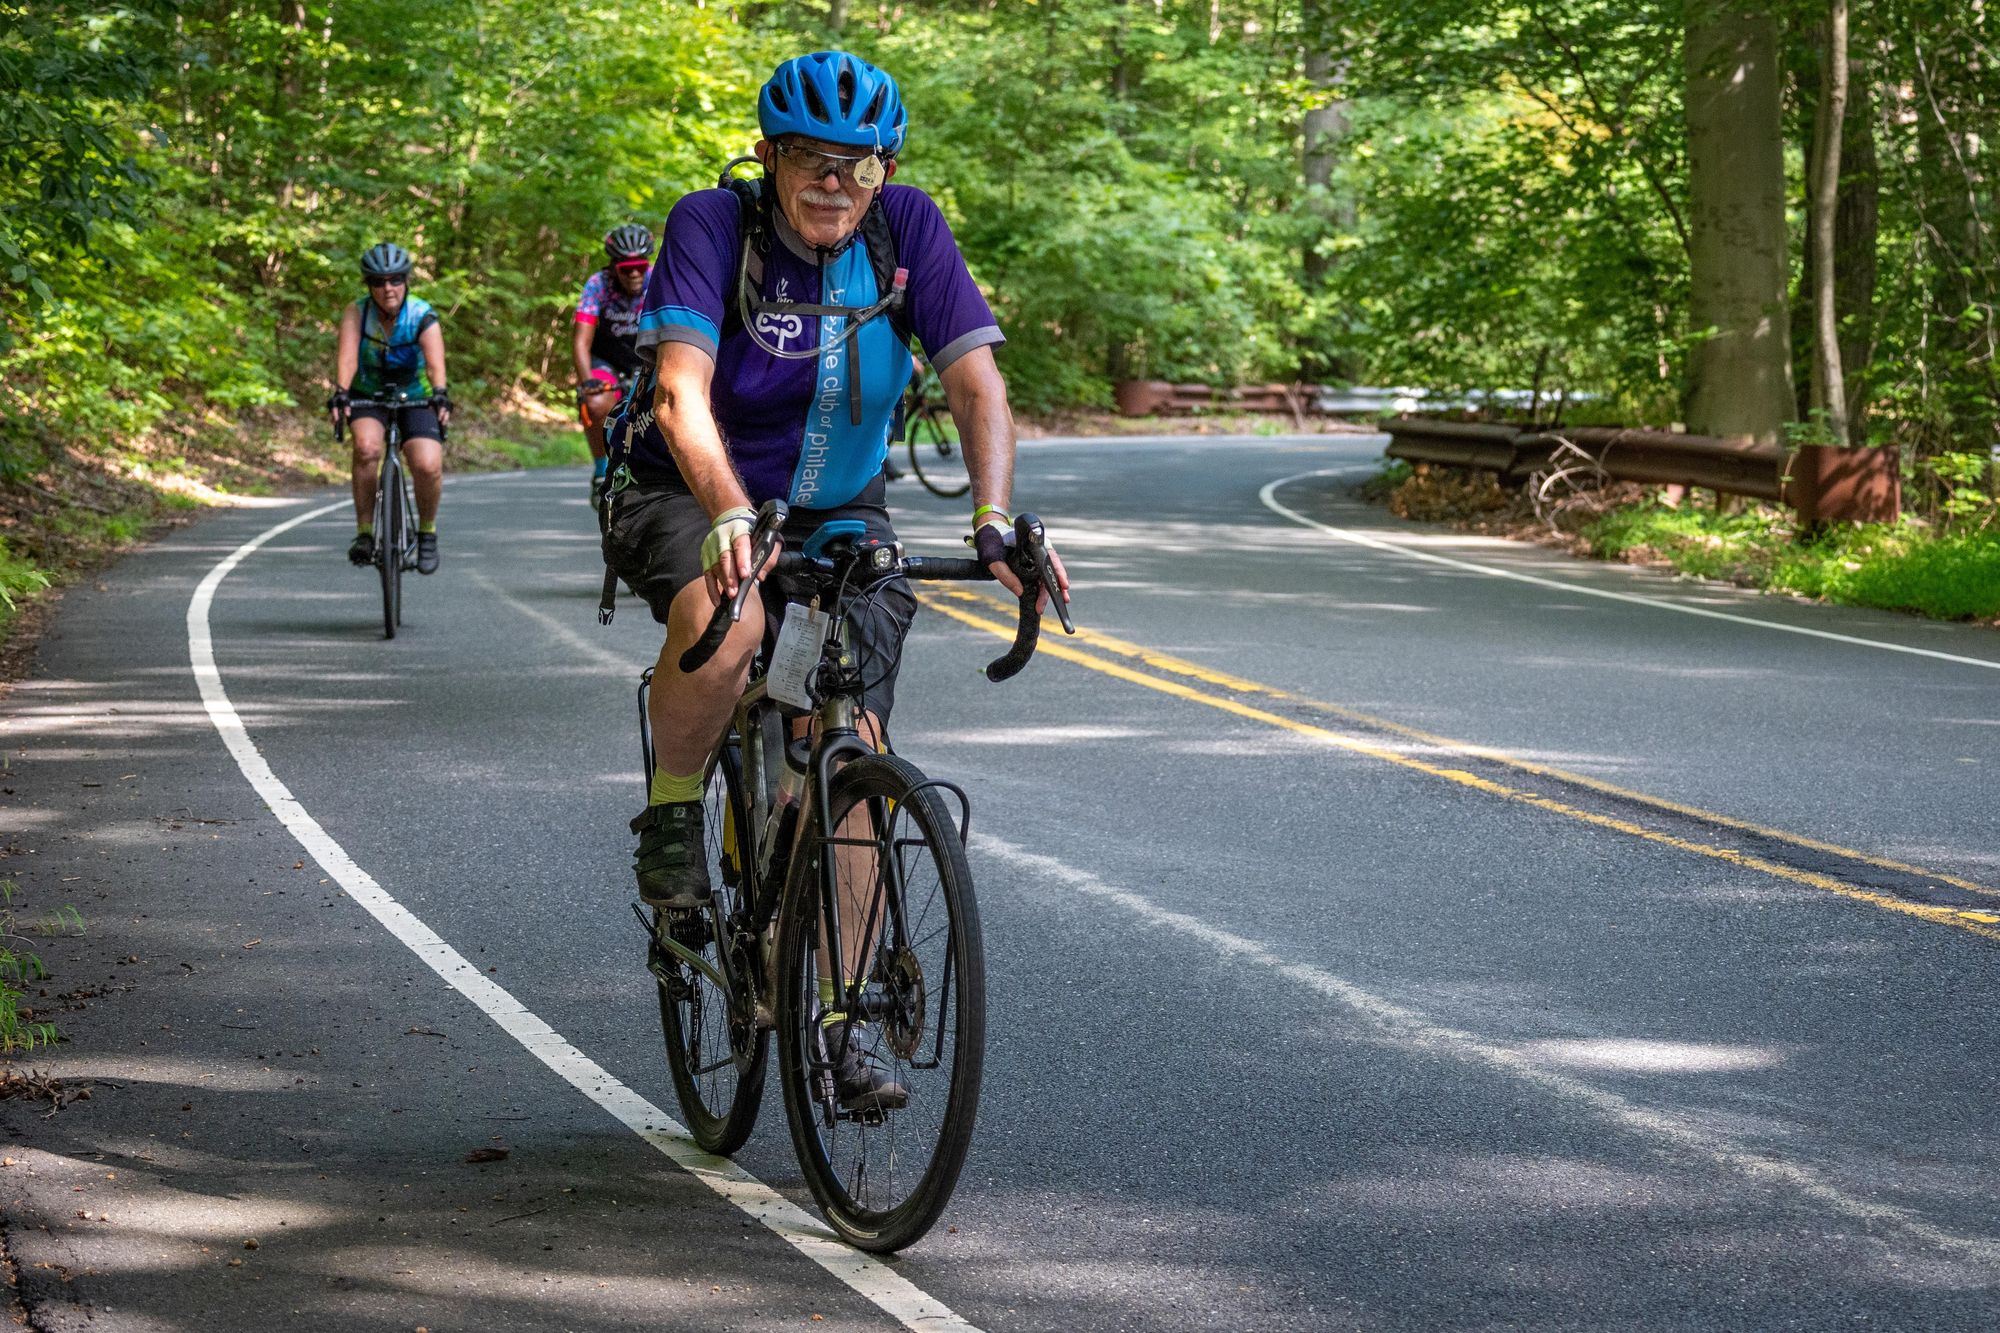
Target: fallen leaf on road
[(250, 1244), (487, 1155), (298, 865), (254, 943)]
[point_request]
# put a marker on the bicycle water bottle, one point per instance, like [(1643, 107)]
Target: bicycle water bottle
[(784, 816)]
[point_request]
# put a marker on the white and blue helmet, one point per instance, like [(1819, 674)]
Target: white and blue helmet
[(835, 97)]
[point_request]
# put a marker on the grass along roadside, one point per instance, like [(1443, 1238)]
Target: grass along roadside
[(76, 509), (22, 1027), (1905, 566)]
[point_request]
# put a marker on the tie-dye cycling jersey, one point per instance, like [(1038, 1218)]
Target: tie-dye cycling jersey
[(391, 358), (789, 423), (616, 315)]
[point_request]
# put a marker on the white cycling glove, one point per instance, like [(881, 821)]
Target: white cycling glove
[(729, 525)]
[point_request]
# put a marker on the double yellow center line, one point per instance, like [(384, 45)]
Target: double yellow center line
[(974, 609)]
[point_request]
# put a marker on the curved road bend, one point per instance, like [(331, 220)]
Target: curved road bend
[(1374, 942)]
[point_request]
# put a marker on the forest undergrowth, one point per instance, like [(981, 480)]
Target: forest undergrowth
[(1947, 572)]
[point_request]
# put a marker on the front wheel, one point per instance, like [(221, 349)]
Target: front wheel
[(910, 997), (935, 456), (389, 546), (715, 1049)]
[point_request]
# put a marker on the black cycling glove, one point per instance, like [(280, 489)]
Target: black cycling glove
[(338, 401), (441, 402), (991, 543)]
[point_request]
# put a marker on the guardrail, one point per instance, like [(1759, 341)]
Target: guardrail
[(1139, 398), (1825, 484)]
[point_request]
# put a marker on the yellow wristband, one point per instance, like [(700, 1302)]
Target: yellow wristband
[(1006, 519)]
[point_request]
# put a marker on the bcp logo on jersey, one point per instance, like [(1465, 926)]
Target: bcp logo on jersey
[(781, 329)]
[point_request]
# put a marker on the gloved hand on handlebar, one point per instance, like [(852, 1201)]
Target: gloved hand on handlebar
[(441, 404), (993, 539), (725, 552), (336, 405)]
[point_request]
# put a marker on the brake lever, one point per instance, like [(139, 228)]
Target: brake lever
[(1032, 549), (763, 540)]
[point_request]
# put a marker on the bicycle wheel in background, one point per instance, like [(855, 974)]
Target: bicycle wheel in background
[(883, 1177), (717, 1057), (388, 543), (935, 457)]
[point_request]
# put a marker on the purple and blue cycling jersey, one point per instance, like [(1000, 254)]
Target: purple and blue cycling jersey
[(788, 423)]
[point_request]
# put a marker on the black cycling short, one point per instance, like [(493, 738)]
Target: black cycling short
[(420, 420), (653, 542)]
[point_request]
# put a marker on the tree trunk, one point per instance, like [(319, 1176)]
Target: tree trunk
[(1856, 221), (1739, 375), (1829, 385)]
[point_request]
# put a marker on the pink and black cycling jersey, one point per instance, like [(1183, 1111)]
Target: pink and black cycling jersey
[(616, 315)]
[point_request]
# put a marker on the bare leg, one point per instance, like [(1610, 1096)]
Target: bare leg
[(596, 407), (861, 884), (688, 712), (426, 459), (367, 466)]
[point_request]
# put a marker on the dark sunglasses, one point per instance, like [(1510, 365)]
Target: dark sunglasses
[(397, 281)]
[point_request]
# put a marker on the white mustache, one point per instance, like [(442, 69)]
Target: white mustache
[(821, 199)]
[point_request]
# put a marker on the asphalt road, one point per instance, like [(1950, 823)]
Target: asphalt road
[(1386, 929)]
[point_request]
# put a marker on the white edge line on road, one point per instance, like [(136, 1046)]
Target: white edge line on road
[(1269, 496), (894, 1294), (1412, 1029)]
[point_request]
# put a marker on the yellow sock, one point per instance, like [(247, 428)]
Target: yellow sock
[(429, 525), (667, 788)]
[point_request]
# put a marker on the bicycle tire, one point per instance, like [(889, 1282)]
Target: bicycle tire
[(930, 993), (409, 537), (719, 1096), (388, 545), (934, 457)]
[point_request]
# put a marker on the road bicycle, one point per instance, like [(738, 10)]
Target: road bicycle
[(820, 849), (928, 430), (395, 505)]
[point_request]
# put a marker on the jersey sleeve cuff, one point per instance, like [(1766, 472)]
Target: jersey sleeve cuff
[(679, 324), (583, 318), (990, 336)]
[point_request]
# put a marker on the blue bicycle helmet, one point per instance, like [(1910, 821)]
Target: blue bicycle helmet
[(836, 97)]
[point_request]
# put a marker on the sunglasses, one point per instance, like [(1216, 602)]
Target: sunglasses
[(389, 282), (817, 164)]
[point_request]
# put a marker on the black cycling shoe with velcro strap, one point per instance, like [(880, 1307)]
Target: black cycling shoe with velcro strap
[(427, 553), (861, 1078), (672, 859), (361, 551)]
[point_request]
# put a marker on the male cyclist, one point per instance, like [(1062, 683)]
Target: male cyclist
[(390, 343), (606, 345), (777, 324)]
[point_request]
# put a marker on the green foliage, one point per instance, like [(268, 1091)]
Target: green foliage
[(74, 71), (19, 967), (1902, 567), (18, 578)]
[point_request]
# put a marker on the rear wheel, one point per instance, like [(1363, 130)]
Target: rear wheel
[(910, 929), (389, 545), (715, 1051), (935, 456)]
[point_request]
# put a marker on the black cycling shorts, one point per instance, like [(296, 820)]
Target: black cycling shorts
[(420, 420), (653, 542)]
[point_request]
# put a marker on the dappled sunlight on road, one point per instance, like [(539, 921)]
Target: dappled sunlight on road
[(1638, 1055)]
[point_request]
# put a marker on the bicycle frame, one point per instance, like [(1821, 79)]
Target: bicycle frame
[(767, 868)]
